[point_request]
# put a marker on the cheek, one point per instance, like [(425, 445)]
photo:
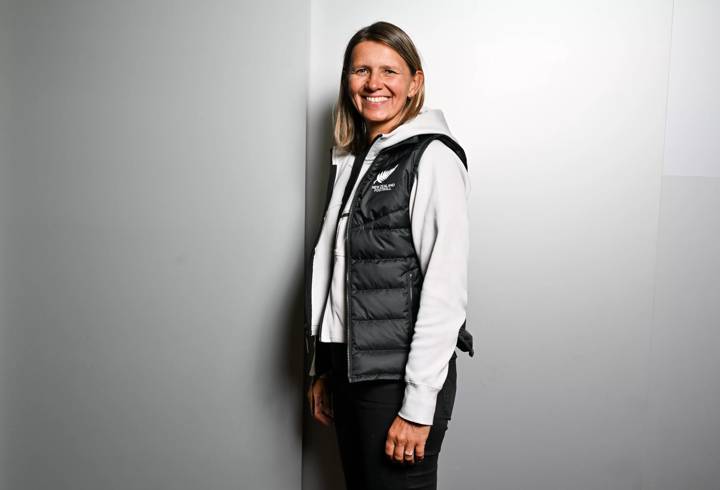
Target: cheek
[(401, 89), (353, 90)]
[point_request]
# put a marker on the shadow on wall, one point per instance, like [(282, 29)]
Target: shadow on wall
[(322, 468)]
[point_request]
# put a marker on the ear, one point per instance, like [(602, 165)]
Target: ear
[(416, 83)]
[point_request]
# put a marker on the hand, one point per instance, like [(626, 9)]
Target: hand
[(319, 398), (406, 441)]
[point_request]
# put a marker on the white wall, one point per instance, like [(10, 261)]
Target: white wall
[(561, 108), (152, 252), (692, 146)]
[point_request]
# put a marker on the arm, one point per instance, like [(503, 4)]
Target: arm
[(440, 228)]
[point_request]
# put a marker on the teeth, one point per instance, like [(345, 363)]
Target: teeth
[(376, 99)]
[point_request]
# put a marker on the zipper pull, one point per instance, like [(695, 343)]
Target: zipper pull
[(411, 289)]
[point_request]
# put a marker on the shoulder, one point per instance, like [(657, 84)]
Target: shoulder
[(439, 158)]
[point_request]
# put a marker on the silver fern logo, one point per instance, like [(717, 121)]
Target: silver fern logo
[(381, 178)]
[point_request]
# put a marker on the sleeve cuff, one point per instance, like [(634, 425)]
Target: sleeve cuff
[(419, 404), (312, 365), (319, 363)]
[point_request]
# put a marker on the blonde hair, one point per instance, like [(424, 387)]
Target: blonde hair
[(349, 131)]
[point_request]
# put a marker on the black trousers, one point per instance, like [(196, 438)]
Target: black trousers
[(364, 412)]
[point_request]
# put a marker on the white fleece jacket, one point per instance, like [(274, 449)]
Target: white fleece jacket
[(439, 225)]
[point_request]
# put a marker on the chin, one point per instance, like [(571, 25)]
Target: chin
[(379, 117)]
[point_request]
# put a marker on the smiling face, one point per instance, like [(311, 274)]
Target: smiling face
[(379, 84)]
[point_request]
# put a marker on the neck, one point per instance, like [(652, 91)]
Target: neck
[(376, 130)]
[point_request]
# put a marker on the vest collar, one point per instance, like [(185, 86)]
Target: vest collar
[(427, 121)]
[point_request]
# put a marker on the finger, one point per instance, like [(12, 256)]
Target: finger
[(399, 453), (319, 402), (322, 406), (321, 417), (409, 455), (325, 398), (322, 392), (419, 452), (389, 448), (326, 408)]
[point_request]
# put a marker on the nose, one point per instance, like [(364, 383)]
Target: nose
[(373, 81)]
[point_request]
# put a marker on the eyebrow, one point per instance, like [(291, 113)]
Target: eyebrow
[(355, 67)]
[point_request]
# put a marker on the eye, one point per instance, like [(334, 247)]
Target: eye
[(360, 70), (388, 70)]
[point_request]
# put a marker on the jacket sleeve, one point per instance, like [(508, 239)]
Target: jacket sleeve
[(440, 228), (311, 352), (320, 357)]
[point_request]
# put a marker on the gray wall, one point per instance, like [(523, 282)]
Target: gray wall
[(152, 256), (683, 421), (593, 278), (683, 425), (4, 161)]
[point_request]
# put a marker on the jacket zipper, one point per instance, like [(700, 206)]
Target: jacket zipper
[(308, 284)]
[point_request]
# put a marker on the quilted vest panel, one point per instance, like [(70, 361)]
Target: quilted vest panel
[(383, 274)]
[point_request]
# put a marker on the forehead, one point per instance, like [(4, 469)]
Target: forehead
[(373, 52)]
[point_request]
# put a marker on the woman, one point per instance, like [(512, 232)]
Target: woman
[(387, 282)]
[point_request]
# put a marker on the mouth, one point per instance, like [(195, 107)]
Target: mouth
[(376, 100)]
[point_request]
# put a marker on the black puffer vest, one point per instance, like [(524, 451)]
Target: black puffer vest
[(382, 273)]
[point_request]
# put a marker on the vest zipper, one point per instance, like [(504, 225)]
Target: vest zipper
[(347, 269), (360, 188), (358, 191)]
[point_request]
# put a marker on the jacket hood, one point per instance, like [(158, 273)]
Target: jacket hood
[(426, 121)]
